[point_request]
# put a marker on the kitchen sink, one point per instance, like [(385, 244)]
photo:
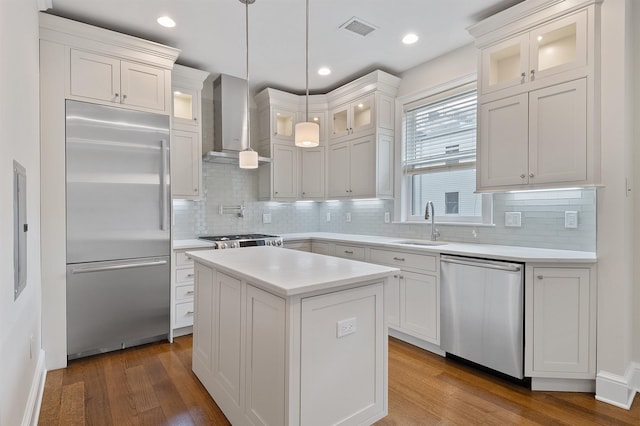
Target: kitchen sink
[(421, 243)]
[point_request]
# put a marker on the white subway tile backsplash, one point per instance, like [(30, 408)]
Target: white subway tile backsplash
[(542, 215)]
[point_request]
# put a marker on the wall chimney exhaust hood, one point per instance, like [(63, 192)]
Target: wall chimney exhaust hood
[(229, 120)]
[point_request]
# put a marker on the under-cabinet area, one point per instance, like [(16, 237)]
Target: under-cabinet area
[(556, 294)]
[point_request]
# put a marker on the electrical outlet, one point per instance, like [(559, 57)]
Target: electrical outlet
[(266, 218), (513, 219), (328, 216), (348, 217), (346, 327), (571, 220), (387, 217)]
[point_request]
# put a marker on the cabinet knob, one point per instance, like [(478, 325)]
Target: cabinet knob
[(522, 176), (124, 96), (276, 192), (401, 277), (303, 193), (195, 119), (116, 95), (395, 276), (531, 175), (540, 277), (533, 74), (195, 189)]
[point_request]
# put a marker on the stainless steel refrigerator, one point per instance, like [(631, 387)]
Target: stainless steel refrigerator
[(118, 232)]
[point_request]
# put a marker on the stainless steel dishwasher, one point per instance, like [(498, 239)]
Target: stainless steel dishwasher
[(482, 308)]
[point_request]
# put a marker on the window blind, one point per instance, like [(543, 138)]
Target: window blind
[(440, 131)]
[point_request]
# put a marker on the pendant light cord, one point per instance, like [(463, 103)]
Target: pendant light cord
[(307, 64), (246, 2)]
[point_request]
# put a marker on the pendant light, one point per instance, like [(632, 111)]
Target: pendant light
[(248, 158), (307, 133)]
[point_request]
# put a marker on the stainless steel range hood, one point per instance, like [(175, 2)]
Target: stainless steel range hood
[(229, 120)]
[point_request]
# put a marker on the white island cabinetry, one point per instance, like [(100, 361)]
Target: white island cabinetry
[(305, 344)]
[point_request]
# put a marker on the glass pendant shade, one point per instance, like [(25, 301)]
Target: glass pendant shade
[(307, 134), (248, 159)]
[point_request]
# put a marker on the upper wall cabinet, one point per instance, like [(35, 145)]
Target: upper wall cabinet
[(186, 132), (554, 48), (539, 98), (110, 68)]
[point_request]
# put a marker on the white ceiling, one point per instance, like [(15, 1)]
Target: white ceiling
[(211, 34)]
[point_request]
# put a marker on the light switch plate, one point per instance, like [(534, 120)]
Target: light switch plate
[(328, 216), (513, 219), (387, 217), (571, 220), (348, 217), (266, 218)]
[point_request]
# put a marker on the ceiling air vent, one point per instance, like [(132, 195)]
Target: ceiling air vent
[(358, 26)]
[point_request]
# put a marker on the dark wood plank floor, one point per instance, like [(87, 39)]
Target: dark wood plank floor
[(154, 385)]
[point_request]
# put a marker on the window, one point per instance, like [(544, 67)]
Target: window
[(439, 158)]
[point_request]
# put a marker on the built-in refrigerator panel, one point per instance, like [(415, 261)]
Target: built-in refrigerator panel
[(118, 191), (116, 304)]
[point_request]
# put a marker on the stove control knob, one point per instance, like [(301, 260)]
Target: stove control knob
[(279, 242), (224, 245)]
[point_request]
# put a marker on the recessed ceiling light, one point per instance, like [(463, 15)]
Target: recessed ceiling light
[(167, 22), (410, 38), (324, 71), (540, 38)]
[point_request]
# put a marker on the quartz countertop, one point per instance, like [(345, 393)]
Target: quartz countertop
[(291, 272), (511, 253), (191, 244)]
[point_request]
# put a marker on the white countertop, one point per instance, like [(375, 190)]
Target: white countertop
[(290, 272), (512, 253), (191, 244)]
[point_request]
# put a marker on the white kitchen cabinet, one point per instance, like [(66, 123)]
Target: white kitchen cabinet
[(315, 116), (539, 97), (560, 322), (186, 132), (413, 299), (322, 247), (182, 291), (186, 164), (350, 252), (559, 46), (535, 139), (298, 245), (285, 172), (312, 173), (107, 79), (352, 119), (420, 306), (361, 168)]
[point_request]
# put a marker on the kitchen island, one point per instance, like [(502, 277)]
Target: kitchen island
[(283, 337)]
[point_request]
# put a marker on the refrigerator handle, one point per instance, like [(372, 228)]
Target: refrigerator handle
[(119, 266), (163, 183)]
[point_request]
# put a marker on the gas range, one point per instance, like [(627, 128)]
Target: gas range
[(243, 240)]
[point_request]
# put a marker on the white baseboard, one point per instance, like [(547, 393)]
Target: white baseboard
[(618, 390), (416, 342), (32, 409)]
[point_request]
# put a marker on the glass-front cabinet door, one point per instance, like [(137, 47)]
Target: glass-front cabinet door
[(185, 106), (340, 125), (283, 124), (558, 46), (505, 64), (362, 114)]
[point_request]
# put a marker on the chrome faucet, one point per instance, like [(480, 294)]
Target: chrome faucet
[(434, 232)]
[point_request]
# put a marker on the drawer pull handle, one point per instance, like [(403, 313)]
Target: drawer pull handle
[(540, 277), (399, 259), (190, 292), (190, 312), (348, 251), (395, 276), (191, 275)]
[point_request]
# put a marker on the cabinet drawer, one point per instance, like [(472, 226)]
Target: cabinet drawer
[(182, 259), (350, 252), (184, 275), (184, 292), (183, 315), (399, 259)]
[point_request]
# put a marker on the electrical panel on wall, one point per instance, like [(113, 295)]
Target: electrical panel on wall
[(19, 228)]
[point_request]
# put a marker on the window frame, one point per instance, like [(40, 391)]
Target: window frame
[(404, 185)]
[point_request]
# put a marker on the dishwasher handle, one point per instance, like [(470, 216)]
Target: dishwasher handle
[(501, 266)]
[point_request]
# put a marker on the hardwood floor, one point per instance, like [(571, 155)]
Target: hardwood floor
[(154, 385)]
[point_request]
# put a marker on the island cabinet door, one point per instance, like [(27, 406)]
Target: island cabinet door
[(343, 358), (265, 359), (203, 324)]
